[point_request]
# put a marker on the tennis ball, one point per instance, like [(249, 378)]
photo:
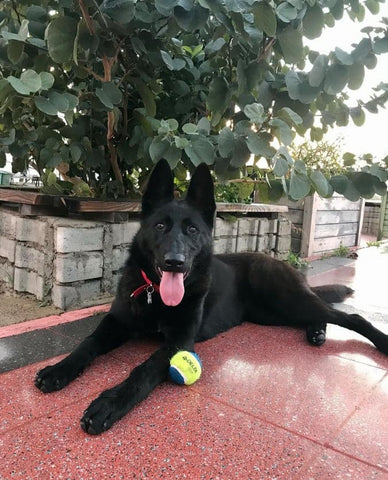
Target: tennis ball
[(185, 368)]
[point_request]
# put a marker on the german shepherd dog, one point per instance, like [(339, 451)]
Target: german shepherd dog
[(173, 285)]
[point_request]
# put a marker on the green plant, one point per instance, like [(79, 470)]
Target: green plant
[(374, 244), (234, 192), (323, 155), (295, 261), (101, 90), (341, 251)]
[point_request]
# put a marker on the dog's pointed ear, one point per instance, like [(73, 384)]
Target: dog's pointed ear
[(201, 193), (159, 189)]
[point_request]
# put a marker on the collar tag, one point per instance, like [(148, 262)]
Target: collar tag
[(148, 287)]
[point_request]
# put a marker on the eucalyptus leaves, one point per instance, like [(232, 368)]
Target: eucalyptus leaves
[(103, 90)]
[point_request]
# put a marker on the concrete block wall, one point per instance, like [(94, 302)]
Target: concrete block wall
[(251, 234), (73, 263)]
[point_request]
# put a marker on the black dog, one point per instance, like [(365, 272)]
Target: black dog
[(172, 285)]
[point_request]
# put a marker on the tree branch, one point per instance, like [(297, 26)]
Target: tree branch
[(107, 64)]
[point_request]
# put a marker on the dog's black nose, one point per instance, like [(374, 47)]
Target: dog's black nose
[(174, 260)]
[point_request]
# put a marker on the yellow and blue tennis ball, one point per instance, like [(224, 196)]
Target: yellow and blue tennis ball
[(185, 368)]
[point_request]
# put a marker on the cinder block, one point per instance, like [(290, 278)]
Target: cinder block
[(6, 273), (31, 230), (8, 224), (263, 226), (78, 239), (281, 255), (123, 233), (225, 228), (76, 267), (246, 243), (273, 225), (262, 243), (29, 281), (7, 248), (115, 283), (283, 244), (225, 245), (284, 226), (64, 296), (119, 257), (29, 258), (271, 241), (248, 226)]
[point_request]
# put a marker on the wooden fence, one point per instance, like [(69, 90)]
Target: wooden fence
[(383, 223), (321, 225)]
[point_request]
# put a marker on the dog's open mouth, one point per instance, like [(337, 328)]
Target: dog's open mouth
[(171, 287)]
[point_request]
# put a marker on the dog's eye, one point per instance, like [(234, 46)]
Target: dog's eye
[(192, 229), (160, 226)]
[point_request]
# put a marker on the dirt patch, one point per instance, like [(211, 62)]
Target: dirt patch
[(19, 308)]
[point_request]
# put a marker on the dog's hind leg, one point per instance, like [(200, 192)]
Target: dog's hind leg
[(358, 324), (107, 336), (320, 314)]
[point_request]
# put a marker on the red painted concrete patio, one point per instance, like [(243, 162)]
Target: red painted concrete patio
[(268, 406)]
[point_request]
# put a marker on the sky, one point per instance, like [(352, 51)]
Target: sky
[(372, 136)]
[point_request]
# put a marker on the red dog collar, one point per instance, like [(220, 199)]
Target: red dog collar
[(148, 287)]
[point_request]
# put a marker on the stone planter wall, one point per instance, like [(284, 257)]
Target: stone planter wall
[(71, 262)]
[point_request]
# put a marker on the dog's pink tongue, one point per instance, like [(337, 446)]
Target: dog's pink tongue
[(172, 288)]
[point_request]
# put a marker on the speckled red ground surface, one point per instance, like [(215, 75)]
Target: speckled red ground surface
[(268, 406)]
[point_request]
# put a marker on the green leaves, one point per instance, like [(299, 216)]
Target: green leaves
[(291, 43), (217, 99), (300, 185), (172, 64), (122, 11), (356, 76), (31, 82), (109, 94), (265, 18), (56, 102), (320, 183), (318, 72), (313, 22), (255, 112), (336, 79), (225, 142), (286, 12), (190, 81), (299, 88), (61, 33), (200, 150), (162, 148), (259, 144), (191, 19)]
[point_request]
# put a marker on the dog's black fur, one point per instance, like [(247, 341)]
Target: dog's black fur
[(220, 292)]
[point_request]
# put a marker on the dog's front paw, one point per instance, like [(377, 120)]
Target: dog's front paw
[(54, 377), (101, 414)]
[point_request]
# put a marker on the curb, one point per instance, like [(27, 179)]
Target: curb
[(51, 321)]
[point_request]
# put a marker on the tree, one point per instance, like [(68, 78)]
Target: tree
[(102, 91), (323, 155)]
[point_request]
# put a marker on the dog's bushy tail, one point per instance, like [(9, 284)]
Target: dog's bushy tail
[(334, 293)]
